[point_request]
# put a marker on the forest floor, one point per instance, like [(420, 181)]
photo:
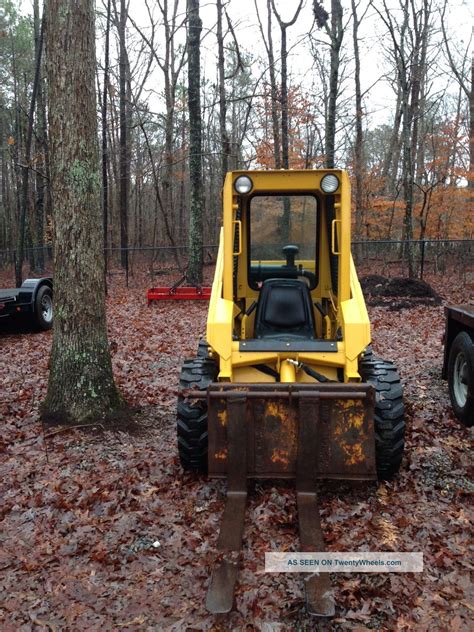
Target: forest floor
[(103, 531)]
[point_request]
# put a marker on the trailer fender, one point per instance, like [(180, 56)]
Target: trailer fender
[(32, 286)]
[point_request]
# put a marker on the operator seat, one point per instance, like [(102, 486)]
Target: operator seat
[(284, 310)]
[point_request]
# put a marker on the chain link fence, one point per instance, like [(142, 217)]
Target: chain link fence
[(437, 257), (388, 258)]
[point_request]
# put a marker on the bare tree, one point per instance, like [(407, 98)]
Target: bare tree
[(285, 163), (225, 141), (336, 34), (359, 158), (409, 41), (284, 81), (268, 42), (27, 159), (460, 70), (41, 198), (124, 134), (195, 143), (105, 151)]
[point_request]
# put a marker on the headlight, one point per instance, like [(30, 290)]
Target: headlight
[(243, 185), (329, 183)]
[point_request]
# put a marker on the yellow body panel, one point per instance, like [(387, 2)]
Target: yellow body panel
[(346, 322)]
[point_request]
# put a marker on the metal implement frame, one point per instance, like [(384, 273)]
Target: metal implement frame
[(306, 406), (343, 424), (184, 293)]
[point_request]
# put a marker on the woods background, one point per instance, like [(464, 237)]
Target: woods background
[(379, 88)]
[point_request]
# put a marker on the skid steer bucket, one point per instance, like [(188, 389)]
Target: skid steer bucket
[(300, 431)]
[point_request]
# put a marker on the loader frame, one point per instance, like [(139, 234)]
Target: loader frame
[(348, 332)]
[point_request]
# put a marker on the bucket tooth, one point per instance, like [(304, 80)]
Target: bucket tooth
[(318, 591), (220, 594)]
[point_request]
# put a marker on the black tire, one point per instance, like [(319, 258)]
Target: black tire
[(203, 349), (461, 378), (196, 374), (389, 423), (43, 308)]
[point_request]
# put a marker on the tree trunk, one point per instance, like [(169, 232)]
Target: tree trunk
[(274, 91), (195, 144), (392, 158), (39, 206), (81, 384), (285, 158), (26, 165), (359, 166), (471, 139), (105, 157), (336, 33), (124, 184), (225, 144)]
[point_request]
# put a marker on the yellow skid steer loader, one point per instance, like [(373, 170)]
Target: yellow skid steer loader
[(286, 385)]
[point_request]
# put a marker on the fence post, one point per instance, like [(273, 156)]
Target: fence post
[(423, 242)]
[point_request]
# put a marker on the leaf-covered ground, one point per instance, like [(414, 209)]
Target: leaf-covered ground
[(104, 532)]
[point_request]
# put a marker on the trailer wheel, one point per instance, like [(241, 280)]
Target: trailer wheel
[(43, 308), (196, 374), (389, 424), (461, 377)]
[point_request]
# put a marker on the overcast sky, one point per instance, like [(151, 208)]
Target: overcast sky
[(379, 101)]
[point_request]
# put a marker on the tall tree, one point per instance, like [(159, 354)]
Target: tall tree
[(41, 158), (81, 384), (409, 41), (105, 151), (460, 70), (285, 162), (336, 34), (124, 185), (27, 159), (268, 42), (225, 142), (359, 164), (284, 81), (195, 143)]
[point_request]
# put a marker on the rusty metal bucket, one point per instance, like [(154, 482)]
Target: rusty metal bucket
[(338, 420), (301, 431)]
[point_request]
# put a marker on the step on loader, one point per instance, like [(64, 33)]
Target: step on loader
[(286, 385)]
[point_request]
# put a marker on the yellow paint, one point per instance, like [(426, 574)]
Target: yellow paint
[(222, 417), (221, 455), (349, 431), (287, 372), (280, 456), (273, 408)]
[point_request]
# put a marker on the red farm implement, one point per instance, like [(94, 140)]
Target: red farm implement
[(179, 292)]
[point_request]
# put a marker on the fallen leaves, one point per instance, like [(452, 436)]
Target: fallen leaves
[(81, 513)]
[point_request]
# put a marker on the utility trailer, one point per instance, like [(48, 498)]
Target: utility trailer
[(32, 301), (458, 365)]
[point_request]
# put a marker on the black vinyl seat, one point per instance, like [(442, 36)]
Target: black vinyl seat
[(284, 310)]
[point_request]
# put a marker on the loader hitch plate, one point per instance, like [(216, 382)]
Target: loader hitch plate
[(300, 431), (341, 417)]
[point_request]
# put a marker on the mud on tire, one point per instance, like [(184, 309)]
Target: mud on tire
[(196, 374), (389, 423)]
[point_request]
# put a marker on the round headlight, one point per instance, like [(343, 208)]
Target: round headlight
[(329, 183), (243, 185)]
